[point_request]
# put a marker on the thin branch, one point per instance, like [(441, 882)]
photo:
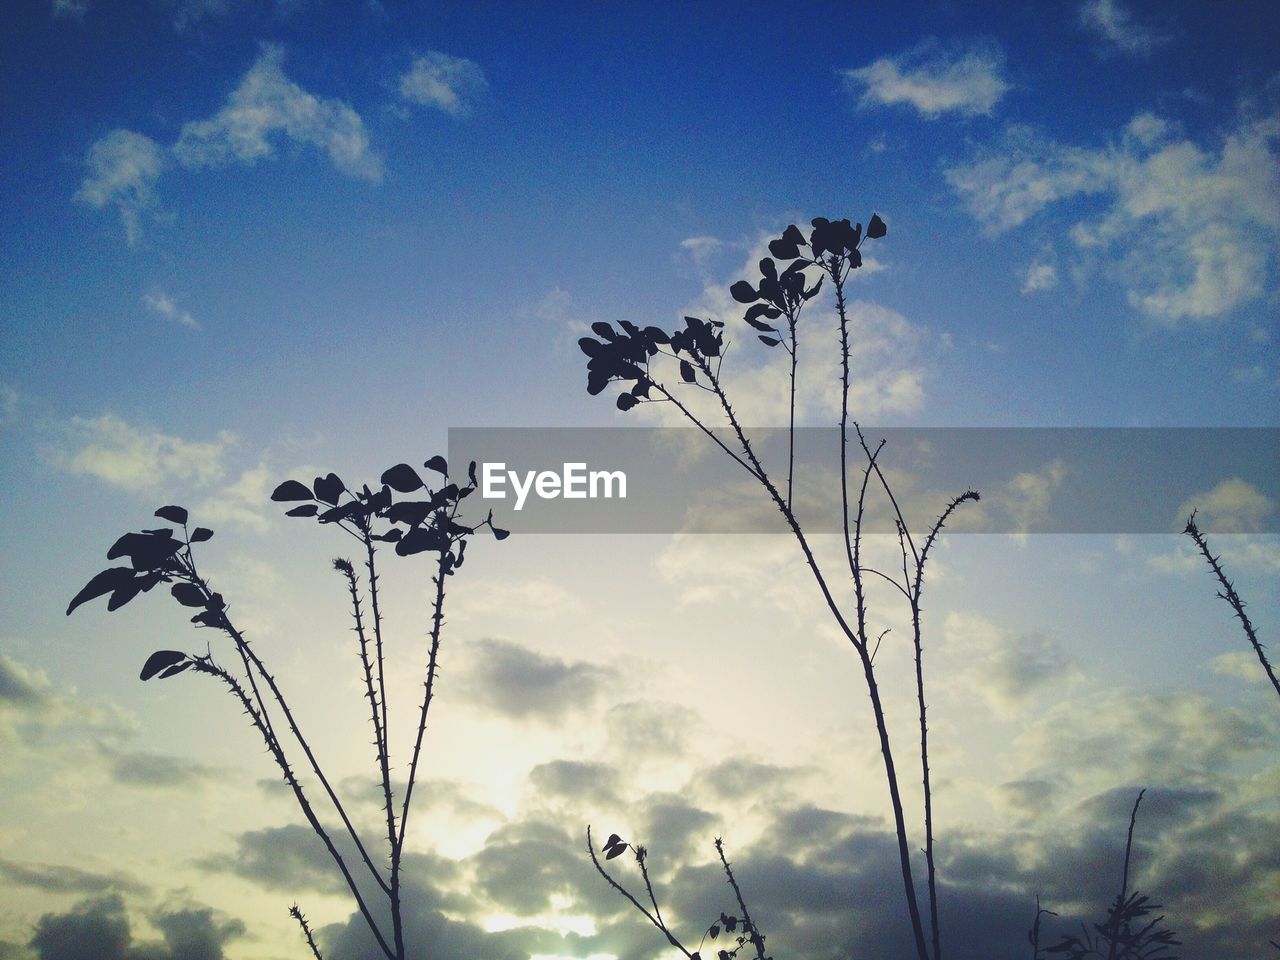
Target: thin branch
[(207, 665), (634, 902), (757, 937), (1229, 594), (296, 913)]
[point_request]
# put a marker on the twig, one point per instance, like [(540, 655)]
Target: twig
[(306, 931)]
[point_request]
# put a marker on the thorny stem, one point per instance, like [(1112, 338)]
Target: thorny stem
[(206, 664), (1124, 882), (1229, 594), (858, 640), (296, 913), (757, 938), (380, 742), (437, 622), (671, 938)]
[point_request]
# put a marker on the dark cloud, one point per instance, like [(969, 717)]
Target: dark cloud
[(739, 777), (140, 769), (99, 929), (524, 684), (20, 686), (579, 780), (522, 866), (648, 728), (675, 826), (288, 859), (62, 879)]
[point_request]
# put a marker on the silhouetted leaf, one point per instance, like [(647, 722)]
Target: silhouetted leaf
[(188, 594), (686, 372), (103, 583), (438, 464), (471, 472), (402, 478), (714, 931), (173, 514), (602, 329), (769, 341), (200, 534), (613, 841), (146, 551), (744, 292), (124, 593), (306, 510), (420, 539), (614, 851), (499, 533), (876, 228), (291, 490), (626, 401), (329, 488), (176, 669), (160, 660)]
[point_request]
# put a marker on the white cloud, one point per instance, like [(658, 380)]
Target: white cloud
[(70, 9), (133, 459), (451, 84), (123, 168), (1007, 671), (1193, 231), (967, 82), (1025, 498), (266, 104), (160, 302), (242, 502), (1233, 506), (700, 249), (1040, 276), (1116, 25)]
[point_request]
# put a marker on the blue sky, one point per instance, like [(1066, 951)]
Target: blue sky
[(248, 240)]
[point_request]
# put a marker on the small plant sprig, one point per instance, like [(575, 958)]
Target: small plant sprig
[(432, 524), (789, 279), (1124, 934), (742, 931), (1228, 593)]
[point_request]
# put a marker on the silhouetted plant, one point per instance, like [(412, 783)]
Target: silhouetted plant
[(740, 931), (432, 525), (1228, 593), (632, 356), (1125, 933)]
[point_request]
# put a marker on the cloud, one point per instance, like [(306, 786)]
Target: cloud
[(1040, 276), (161, 303), (1192, 230), (963, 81), (1117, 27), (1008, 671), (1233, 506), (700, 249), (100, 928), (589, 781), (123, 168), (451, 84), (144, 769), (241, 503), (523, 684), (268, 104), (21, 686), (135, 459), (51, 878), (1025, 499), (70, 9)]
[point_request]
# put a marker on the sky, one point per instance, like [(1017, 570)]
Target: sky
[(253, 240)]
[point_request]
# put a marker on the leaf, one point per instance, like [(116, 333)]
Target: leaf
[(291, 490), (499, 533), (613, 841), (744, 292), (160, 660), (615, 851), (626, 401), (471, 472), (602, 329), (438, 464), (146, 551), (876, 228), (768, 341), (105, 582), (188, 594), (329, 488), (402, 478), (686, 372), (714, 931), (200, 534), (173, 514), (174, 670), (306, 510)]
